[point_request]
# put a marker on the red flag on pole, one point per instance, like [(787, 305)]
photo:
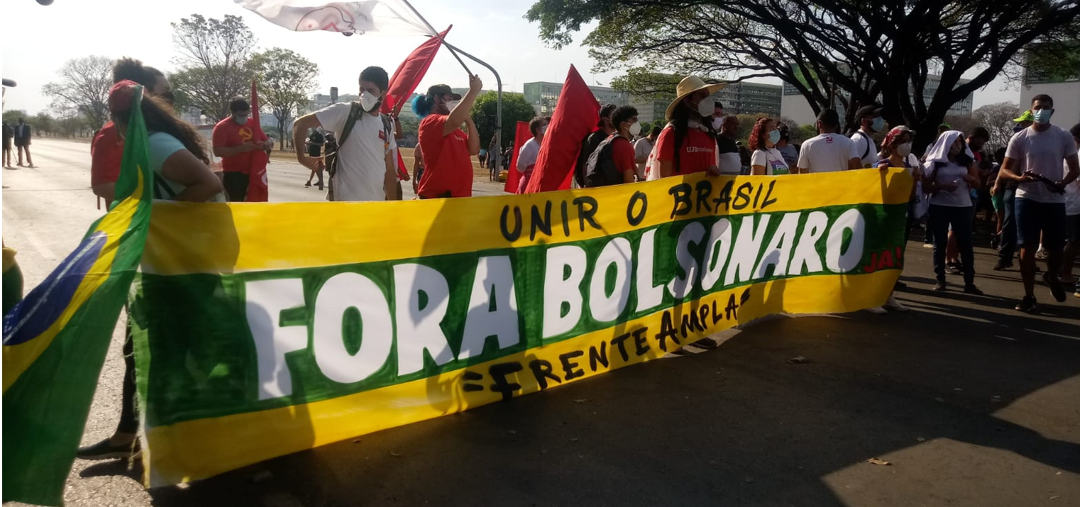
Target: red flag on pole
[(408, 75), (258, 186), (513, 176), (575, 118)]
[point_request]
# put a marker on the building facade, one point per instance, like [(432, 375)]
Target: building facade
[(1063, 88), (751, 98), (544, 96)]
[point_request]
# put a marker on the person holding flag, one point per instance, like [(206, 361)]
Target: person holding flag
[(235, 139), (365, 167), (446, 149)]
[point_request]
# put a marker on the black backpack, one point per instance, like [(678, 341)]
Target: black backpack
[(588, 146), (600, 170)]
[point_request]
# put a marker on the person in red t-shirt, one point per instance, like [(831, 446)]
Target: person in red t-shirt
[(108, 146), (691, 130), (625, 121), (234, 139), (447, 151)]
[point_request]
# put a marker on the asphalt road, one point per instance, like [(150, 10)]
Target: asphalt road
[(970, 403)]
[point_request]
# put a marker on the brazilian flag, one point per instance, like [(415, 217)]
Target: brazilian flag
[(55, 339)]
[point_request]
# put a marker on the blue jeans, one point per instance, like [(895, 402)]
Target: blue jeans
[(941, 217), (1007, 245)]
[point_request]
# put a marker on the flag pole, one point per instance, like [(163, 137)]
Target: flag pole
[(498, 101), (436, 34)]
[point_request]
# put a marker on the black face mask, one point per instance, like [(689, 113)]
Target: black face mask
[(168, 97)]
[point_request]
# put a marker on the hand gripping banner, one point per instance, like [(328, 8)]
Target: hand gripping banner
[(261, 331)]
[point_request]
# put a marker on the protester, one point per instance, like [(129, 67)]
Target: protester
[(315, 142), (977, 142), (951, 176), (418, 169), (718, 116), (642, 148), (896, 152), (727, 146), (766, 159), (447, 150), (526, 159), (789, 151), (612, 162), (107, 148), (234, 140), (870, 123), (364, 166), (1033, 159), (828, 151), (1072, 222), (688, 143), (997, 199), (181, 173), (22, 142), (1023, 121), (604, 129), (492, 150), (9, 134)]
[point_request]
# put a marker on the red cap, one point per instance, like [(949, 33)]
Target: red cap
[(120, 96)]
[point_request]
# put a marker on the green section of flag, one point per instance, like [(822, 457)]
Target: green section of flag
[(45, 408), (197, 357)]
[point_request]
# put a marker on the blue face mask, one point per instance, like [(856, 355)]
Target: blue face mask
[(1042, 116), (878, 124), (774, 136)]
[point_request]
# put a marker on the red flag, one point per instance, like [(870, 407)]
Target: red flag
[(575, 118), (521, 135), (258, 186), (408, 75)]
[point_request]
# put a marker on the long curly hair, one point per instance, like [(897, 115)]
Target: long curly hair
[(759, 134), (159, 117)]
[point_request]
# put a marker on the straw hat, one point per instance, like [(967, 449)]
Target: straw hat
[(688, 86)]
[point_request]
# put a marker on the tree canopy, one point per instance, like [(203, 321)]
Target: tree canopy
[(514, 109), (286, 80), (844, 53), (83, 89), (214, 62)]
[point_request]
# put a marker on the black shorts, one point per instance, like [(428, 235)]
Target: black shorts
[(1072, 229)]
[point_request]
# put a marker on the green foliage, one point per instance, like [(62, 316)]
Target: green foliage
[(214, 62), (286, 79), (11, 116), (410, 130), (44, 123), (514, 109), (642, 83)]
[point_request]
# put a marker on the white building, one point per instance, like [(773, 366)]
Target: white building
[(1065, 90), (545, 95), (794, 106)]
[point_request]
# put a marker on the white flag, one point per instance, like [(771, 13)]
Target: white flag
[(384, 16)]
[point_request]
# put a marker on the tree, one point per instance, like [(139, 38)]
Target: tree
[(83, 89), (998, 120), (44, 123), (286, 79), (514, 109), (214, 62), (410, 130), (833, 52), (12, 116)]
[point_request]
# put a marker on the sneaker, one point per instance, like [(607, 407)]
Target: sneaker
[(952, 269), (105, 450), (994, 242), (1002, 265), (308, 184), (705, 343), (893, 304), (1040, 254), (939, 287), (1055, 286), (928, 245), (877, 310), (1027, 305), (972, 289)]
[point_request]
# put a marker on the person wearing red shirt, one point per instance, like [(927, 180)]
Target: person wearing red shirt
[(447, 151), (688, 143), (235, 138), (627, 128), (108, 146)]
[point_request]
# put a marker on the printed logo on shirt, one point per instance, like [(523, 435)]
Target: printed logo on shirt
[(698, 149), (246, 134), (828, 139)]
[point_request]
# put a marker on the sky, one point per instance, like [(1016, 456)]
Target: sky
[(38, 40)]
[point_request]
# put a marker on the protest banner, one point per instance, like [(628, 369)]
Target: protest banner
[(260, 332)]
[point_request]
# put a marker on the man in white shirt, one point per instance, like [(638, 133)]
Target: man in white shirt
[(870, 123), (728, 148), (530, 151), (828, 151), (366, 169), (642, 148), (1040, 195)]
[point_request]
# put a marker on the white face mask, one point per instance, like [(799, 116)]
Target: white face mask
[(542, 130), (717, 123), (451, 104), (903, 149), (635, 129), (368, 101), (706, 106)]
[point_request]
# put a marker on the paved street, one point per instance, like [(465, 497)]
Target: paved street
[(969, 401)]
